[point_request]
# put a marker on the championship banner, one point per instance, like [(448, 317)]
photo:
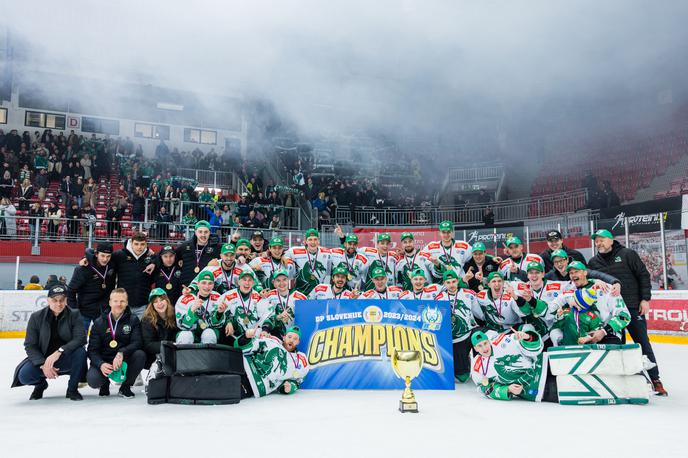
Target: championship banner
[(349, 343), (668, 313)]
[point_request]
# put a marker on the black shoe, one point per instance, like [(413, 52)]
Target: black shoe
[(74, 395), (125, 392), (38, 391), (104, 390)]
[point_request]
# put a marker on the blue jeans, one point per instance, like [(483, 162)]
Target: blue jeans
[(72, 363)]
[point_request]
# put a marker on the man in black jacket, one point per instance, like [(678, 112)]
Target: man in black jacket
[(194, 254), (90, 286), (480, 266), (555, 242), (560, 272), (133, 265), (636, 290), (115, 340), (167, 275), (54, 343)]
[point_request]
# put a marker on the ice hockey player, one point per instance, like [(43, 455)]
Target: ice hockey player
[(226, 272), (337, 289), (577, 318), (418, 289), (266, 266), (381, 256), (381, 289), (312, 262), (245, 310), (281, 305), (201, 316), (513, 267), (498, 307), (411, 260), (447, 253), (356, 264)]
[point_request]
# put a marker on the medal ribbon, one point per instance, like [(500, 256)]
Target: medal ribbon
[(284, 306), (314, 263), (113, 328), (499, 308), (451, 248), (199, 253), (168, 278), (228, 280), (98, 272), (296, 361), (483, 365), (243, 306)]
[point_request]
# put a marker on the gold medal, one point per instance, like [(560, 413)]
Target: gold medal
[(204, 325), (246, 321), (296, 374), (113, 344), (168, 286), (349, 277), (197, 269), (485, 381), (312, 277), (103, 286)]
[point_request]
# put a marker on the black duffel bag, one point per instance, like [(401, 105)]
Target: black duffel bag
[(204, 389), (194, 359)]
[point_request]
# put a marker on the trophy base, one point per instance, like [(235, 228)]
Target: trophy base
[(410, 407)]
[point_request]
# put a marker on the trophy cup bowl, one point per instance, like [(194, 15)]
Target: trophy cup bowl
[(407, 364)]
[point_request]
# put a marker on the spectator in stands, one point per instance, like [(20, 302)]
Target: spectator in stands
[(138, 205), (190, 218), (89, 190), (243, 208), (171, 199), (488, 217), (66, 189), (42, 183), (554, 243), (113, 217), (88, 217), (54, 215), (163, 220), (25, 194), (86, 164), (52, 281), (154, 198), (116, 340), (73, 215), (158, 324), (54, 344), (35, 214), (13, 141), (611, 198), (484, 197), (34, 283), (275, 223), (252, 221), (8, 217), (6, 184), (78, 193), (625, 264)]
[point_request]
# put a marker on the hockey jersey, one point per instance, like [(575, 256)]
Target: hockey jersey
[(356, 265), (428, 293), (505, 266), (206, 316), (541, 319), (268, 365), (265, 266), (407, 264), (245, 314), (311, 269), (463, 307), (375, 259), (392, 292), (453, 257), (226, 279), (499, 313), (276, 305), (324, 291), (511, 362)]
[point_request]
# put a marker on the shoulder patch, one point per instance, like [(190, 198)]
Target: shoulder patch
[(215, 295), (394, 288), (505, 263), (337, 250), (468, 291), (299, 250), (424, 254), (362, 258), (431, 288), (533, 257), (320, 288), (556, 286), (433, 245), (482, 294), (298, 295), (461, 245), (369, 293), (370, 250), (188, 298)]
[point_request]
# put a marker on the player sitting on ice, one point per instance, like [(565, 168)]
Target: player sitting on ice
[(381, 290), (271, 364), (338, 289), (577, 318), (418, 289), (281, 304), (201, 316), (508, 365)]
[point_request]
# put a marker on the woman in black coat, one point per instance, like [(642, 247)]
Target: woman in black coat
[(158, 324)]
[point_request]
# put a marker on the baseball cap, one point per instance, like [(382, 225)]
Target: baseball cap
[(312, 233), (602, 233), (478, 337), (494, 275), (417, 273), (104, 247), (478, 246), (227, 248), (554, 235), (243, 242), (351, 238), (276, 241), (449, 274), (377, 272), (245, 273), (202, 223), (257, 234), (576, 265), (295, 329), (276, 274), (535, 265), (446, 226), (206, 276), (57, 290), (155, 293), (340, 270), (166, 249), (384, 236), (513, 241), (406, 235), (560, 253)]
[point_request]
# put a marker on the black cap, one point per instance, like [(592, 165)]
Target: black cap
[(554, 235), (57, 290), (104, 247), (257, 234), (166, 249)]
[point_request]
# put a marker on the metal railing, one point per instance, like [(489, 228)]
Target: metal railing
[(457, 175), (507, 211)]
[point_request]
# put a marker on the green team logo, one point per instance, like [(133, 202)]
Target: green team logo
[(274, 360), (448, 260), (509, 367), (462, 320)]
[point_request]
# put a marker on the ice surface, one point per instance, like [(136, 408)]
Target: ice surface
[(348, 424)]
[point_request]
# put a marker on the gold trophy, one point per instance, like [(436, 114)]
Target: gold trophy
[(407, 364)]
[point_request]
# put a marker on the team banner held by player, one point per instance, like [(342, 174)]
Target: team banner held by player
[(349, 343)]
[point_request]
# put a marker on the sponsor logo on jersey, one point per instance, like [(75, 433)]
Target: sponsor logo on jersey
[(126, 329)]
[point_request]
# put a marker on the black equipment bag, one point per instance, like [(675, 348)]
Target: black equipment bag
[(192, 359)]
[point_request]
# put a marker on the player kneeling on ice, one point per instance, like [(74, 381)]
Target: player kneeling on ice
[(201, 317), (272, 364), (511, 365)]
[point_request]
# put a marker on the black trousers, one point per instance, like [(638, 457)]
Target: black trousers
[(462, 357), (637, 328), (135, 363)]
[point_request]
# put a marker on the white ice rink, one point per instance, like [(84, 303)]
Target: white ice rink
[(341, 423)]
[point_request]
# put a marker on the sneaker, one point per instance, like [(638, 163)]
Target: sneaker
[(104, 390), (659, 388), (125, 392), (38, 391), (74, 395)]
